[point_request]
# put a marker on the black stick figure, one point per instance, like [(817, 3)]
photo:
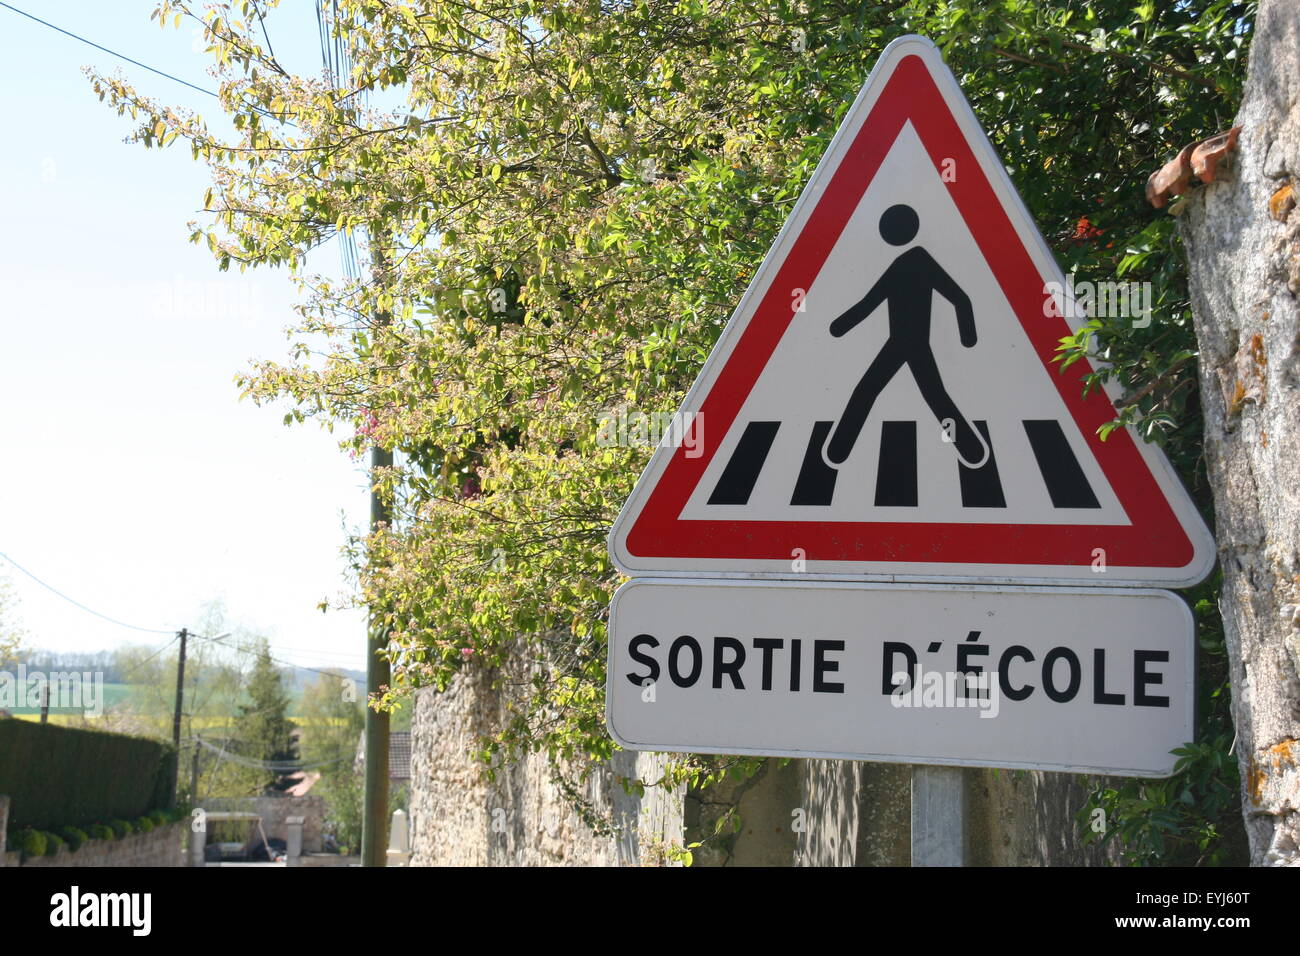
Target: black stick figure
[(908, 286)]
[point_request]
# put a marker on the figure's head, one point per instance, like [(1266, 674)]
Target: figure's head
[(899, 224)]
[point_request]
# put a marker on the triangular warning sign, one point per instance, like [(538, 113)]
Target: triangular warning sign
[(884, 402)]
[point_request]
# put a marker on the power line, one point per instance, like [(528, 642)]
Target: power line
[(120, 56), (278, 766), (153, 630), (309, 651), (257, 650), (135, 667), (176, 635), (337, 61), (88, 610)]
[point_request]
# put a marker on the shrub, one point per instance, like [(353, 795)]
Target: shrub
[(32, 843), (101, 832), (159, 817), (53, 843), (73, 837), (143, 825), (120, 828), (65, 776)]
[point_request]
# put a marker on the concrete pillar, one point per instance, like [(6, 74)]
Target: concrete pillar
[(293, 838), (399, 840)]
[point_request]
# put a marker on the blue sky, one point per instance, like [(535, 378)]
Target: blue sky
[(133, 478)]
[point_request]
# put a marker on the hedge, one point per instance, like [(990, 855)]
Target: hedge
[(32, 843), (74, 837), (63, 776)]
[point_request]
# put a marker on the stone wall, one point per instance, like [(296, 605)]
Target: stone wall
[(274, 811), (802, 813), (162, 846), (458, 818), (849, 813), (328, 859)]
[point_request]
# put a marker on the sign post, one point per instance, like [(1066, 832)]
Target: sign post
[(885, 526), (939, 836)]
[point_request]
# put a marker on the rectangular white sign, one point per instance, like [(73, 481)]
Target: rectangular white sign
[(1097, 680)]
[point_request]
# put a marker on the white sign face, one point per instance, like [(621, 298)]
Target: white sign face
[(1088, 681), (886, 402)]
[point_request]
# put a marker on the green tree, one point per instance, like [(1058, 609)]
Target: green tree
[(332, 719), (217, 673), (562, 202), (264, 728)]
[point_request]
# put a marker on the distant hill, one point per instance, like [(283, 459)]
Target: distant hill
[(117, 682), (297, 678)]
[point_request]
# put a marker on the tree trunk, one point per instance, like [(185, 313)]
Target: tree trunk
[(1242, 236)]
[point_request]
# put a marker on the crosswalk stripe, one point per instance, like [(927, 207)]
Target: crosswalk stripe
[(896, 470), (982, 487), (738, 478), (816, 482), (1067, 485)]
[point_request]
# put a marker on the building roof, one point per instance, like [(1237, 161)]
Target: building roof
[(399, 754)]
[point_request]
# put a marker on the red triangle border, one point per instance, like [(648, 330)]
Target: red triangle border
[(1156, 538)]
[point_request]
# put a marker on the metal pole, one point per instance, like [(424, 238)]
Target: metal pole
[(939, 834)]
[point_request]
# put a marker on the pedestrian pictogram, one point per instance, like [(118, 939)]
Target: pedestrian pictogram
[(886, 404), (907, 288)]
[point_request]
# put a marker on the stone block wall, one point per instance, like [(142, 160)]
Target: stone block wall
[(275, 810), (796, 813), (458, 818), (328, 859), (850, 813), (162, 846)]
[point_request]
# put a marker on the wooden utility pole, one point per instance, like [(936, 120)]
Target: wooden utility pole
[(194, 773), (176, 719), (374, 824)]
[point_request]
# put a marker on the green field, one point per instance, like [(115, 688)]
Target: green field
[(117, 696), (114, 696)]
